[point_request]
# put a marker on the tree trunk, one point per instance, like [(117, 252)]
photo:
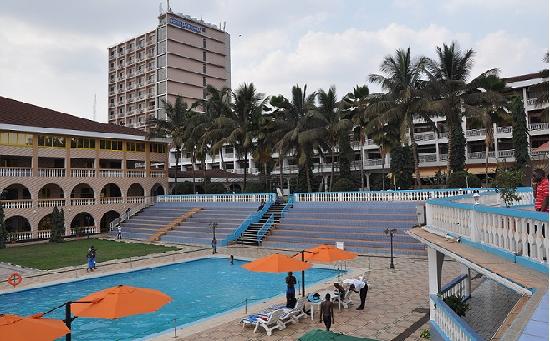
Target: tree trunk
[(177, 166), (362, 166), (265, 173), (245, 168), (307, 177), (193, 170), (332, 169), (281, 160), (486, 164), (224, 169), (383, 172), (415, 154)]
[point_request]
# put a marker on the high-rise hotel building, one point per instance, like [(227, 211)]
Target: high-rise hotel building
[(179, 57)]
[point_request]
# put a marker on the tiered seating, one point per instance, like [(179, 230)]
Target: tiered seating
[(359, 225), (196, 230), (144, 224)]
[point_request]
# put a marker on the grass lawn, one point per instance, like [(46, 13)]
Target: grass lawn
[(69, 253)]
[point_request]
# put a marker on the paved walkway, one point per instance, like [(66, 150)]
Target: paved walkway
[(490, 304)]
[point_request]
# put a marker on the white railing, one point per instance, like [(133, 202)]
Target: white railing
[(427, 158), (111, 173), (157, 173), (16, 203), (82, 173), (476, 132), (133, 211), (82, 201), (480, 155), (504, 130), (51, 172), (457, 287), (135, 200), (518, 231), (15, 171), (538, 126), (450, 323), (135, 173), (43, 234), (84, 230), (374, 162), (424, 136), (51, 202), (443, 157), (111, 200), (252, 197), (17, 236), (506, 153), (443, 135), (406, 195)]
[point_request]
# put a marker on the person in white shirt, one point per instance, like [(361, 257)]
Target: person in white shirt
[(119, 232), (360, 286)]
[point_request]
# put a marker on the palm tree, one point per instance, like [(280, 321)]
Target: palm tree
[(297, 127), (402, 78), (172, 127), (386, 137), (334, 121), (448, 74), (487, 105), (239, 125), (356, 103)]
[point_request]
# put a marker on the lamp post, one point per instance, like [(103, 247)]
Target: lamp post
[(213, 226), (391, 232)]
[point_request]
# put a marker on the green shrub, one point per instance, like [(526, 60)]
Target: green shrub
[(215, 188), (425, 334), (507, 181), (457, 304), (458, 180), (343, 185), (254, 187), (185, 187)]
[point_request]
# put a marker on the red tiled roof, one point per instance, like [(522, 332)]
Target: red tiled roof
[(534, 75), (25, 114)]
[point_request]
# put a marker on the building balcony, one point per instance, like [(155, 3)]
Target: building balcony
[(538, 126), (51, 172), (373, 162), (504, 130), (475, 132), (427, 136), (427, 158), (157, 173), (111, 200), (531, 104), (505, 153), (15, 172), (135, 174), (57, 202), (82, 201), (82, 173), (17, 203), (111, 173), (480, 155)]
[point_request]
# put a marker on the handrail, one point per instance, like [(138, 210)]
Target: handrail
[(450, 323), (390, 195), (149, 201), (251, 219), (455, 287), (265, 228), (287, 206), (235, 197)]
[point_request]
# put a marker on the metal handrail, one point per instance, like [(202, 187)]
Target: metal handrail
[(265, 228), (251, 219)]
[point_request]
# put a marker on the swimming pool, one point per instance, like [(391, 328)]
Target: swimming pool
[(199, 289)]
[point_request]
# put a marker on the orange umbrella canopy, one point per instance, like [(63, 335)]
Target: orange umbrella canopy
[(326, 254), (276, 263), (36, 328), (120, 301)]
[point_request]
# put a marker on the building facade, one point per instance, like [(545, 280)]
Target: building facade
[(93, 171), (432, 146), (178, 58)]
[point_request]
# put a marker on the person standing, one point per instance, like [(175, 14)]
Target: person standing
[(93, 253), (327, 312), (290, 291), (90, 260), (361, 285), (214, 244), (118, 232), (540, 192)]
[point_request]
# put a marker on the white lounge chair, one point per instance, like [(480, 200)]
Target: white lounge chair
[(273, 322), (346, 301), (294, 315)]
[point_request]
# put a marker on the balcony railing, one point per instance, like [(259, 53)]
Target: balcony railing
[(135, 173), (51, 172), (476, 132), (480, 155), (506, 153), (504, 130), (82, 201), (424, 136), (157, 173), (82, 173), (51, 202), (111, 173), (15, 171), (443, 157), (374, 162), (427, 158), (450, 323), (247, 197), (538, 126), (402, 195), (17, 203), (85, 230), (111, 200), (135, 200)]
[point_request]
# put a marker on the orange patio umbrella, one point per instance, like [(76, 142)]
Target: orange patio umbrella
[(119, 301), (36, 328), (276, 263), (326, 254)]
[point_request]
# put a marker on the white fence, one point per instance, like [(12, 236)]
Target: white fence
[(450, 323), (406, 195), (15, 171), (45, 234), (252, 197), (520, 231)]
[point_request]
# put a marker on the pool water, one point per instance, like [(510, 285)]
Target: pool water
[(199, 289)]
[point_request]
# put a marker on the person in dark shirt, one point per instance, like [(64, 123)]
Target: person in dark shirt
[(327, 312), (290, 291)]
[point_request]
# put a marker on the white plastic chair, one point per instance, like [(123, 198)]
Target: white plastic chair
[(294, 315), (273, 322)]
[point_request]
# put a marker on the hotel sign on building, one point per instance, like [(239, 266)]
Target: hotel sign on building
[(185, 25)]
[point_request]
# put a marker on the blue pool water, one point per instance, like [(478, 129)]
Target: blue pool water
[(199, 289)]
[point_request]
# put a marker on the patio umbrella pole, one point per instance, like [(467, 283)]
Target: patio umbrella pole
[(68, 320), (303, 279)]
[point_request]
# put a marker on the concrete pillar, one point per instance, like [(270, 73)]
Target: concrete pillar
[(468, 283), (34, 162), (367, 175), (495, 140), (435, 264)]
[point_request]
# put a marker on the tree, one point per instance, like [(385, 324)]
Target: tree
[(402, 166), (356, 103), (3, 230), (448, 74), (402, 77), (172, 127), (58, 226), (519, 132), (486, 96), (387, 138), (507, 181)]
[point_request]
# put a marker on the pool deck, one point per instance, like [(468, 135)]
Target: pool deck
[(397, 302)]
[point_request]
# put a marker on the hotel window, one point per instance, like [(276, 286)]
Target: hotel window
[(82, 143), (157, 148), (204, 81), (51, 141), (135, 146), (15, 139), (111, 144), (204, 68), (204, 55), (203, 43)]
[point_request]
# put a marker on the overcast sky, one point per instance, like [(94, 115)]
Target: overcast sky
[(54, 53)]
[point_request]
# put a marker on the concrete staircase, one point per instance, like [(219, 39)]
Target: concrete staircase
[(359, 225), (249, 236)]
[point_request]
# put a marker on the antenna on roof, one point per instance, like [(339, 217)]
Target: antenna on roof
[(161, 11), (224, 26), (168, 9), (94, 111)]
